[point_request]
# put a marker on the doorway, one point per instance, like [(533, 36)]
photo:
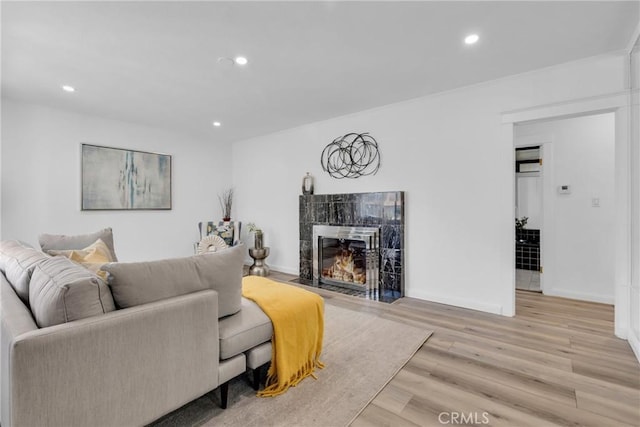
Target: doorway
[(618, 104), (570, 199), (528, 217)]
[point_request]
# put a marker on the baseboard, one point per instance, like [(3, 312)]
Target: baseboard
[(280, 269), (604, 299), (458, 302), (634, 342), (283, 269)]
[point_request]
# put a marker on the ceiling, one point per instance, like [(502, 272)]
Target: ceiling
[(156, 63)]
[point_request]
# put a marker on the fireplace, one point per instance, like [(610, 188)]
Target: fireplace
[(353, 233), (347, 256)]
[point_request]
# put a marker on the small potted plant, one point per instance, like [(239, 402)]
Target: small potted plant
[(257, 235), (226, 200), (520, 224)]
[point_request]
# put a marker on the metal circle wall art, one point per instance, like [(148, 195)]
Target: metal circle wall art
[(351, 156)]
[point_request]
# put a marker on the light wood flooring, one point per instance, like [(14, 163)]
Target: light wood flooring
[(556, 363)]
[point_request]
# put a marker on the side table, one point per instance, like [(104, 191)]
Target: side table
[(259, 267)]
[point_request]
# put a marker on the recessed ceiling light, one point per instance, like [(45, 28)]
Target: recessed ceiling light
[(241, 60), (217, 124), (68, 88), (226, 62), (471, 39)]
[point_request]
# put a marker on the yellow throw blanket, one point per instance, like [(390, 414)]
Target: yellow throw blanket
[(298, 328)]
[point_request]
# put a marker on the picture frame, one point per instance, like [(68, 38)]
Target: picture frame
[(123, 179)]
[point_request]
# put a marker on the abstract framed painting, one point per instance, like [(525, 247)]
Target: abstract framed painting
[(120, 179)]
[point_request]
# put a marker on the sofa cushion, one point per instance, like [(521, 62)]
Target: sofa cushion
[(62, 291), (143, 282), (18, 261), (222, 272), (137, 283), (260, 355), (61, 242), (244, 330)]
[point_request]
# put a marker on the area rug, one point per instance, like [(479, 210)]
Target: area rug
[(362, 352)]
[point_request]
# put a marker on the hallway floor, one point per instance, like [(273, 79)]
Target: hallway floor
[(528, 280)]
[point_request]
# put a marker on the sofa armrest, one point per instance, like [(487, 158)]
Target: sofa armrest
[(127, 367), (15, 320)]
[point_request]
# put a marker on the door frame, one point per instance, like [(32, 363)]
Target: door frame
[(619, 104)]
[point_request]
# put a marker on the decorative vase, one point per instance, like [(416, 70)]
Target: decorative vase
[(226, 219), (258, 240), (307, 184)]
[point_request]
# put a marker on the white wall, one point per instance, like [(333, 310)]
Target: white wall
[(448, 153), (582, 243), (41, 181)]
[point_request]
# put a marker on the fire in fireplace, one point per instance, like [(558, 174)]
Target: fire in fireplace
[(347, 256), (344, 260)]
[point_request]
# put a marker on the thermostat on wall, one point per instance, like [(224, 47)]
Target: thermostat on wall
[(564, 189)]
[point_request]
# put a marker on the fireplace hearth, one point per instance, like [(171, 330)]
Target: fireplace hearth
[(353, 243)]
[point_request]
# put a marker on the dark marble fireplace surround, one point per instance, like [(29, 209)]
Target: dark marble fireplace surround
[(383, 209)]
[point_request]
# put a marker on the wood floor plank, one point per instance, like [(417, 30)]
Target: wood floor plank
[(604, 352), (563, 309), (610, 344), (496, 325), (428, 411), (441, 341), (502, 347), (375, 416), (530, 384), (393, 399), (450, 399), (588, 383), (611, 373), (614, 408), (624, 366), (535, 405)]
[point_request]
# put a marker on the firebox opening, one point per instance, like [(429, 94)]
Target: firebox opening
[(347, 257), (344, 260)]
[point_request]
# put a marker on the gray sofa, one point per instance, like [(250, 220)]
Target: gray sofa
[(76, 352)]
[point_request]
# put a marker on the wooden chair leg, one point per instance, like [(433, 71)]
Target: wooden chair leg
[(224, 395)]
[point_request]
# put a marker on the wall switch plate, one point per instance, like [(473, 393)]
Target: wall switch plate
[(564, 189), (595, 202)]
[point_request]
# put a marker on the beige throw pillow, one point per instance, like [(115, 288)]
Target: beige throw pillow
[(92, 257)]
